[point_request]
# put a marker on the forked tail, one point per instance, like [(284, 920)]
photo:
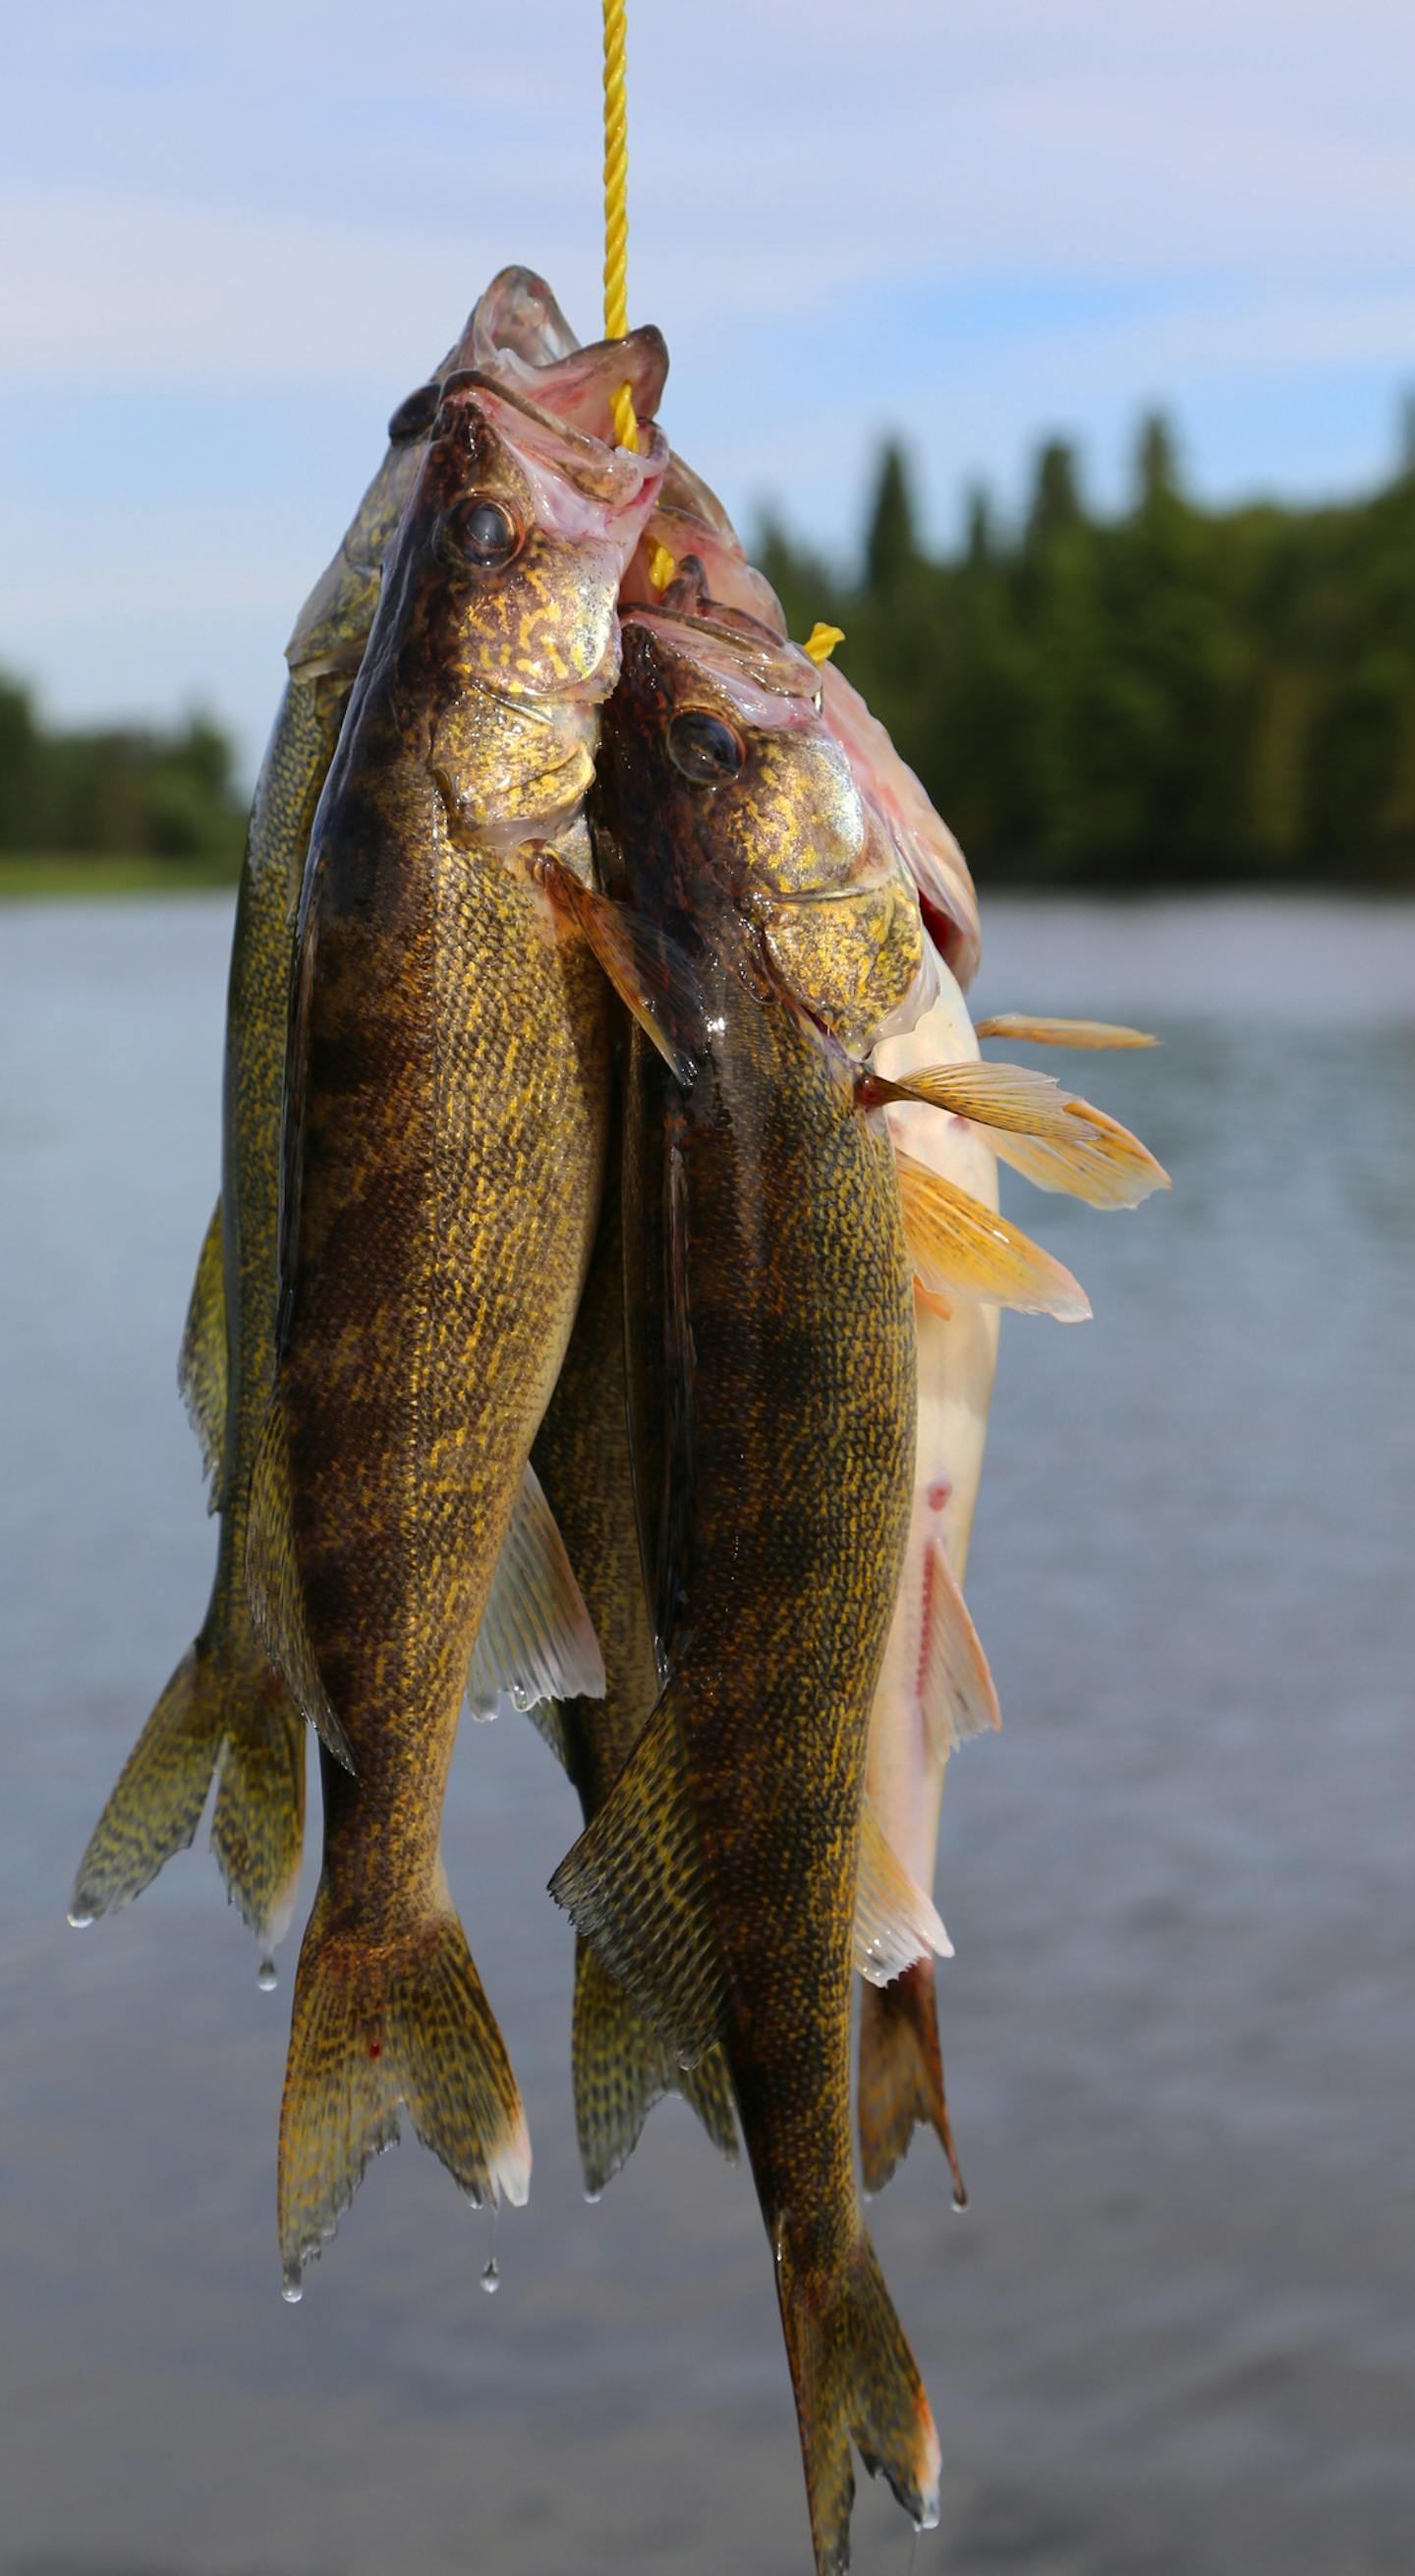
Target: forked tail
[(226, 1706), (621, 2068), (375, 2029), (901, 2076), (856, 2379)]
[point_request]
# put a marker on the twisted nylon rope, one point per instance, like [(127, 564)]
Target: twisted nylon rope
[(616, 205), (822, 640)]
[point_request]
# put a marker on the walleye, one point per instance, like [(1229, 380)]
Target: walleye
[(771, 1354), (446, 1107), (225, 1708), (620, 2066)]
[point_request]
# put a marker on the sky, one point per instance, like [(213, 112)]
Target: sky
[(236, 236)]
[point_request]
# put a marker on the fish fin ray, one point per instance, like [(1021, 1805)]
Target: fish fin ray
[(901, 2085), (536, 1635), (634, 1886), (896, 1920), (854, 2377), (156, 1805), (653, 978), (272, 1578), (1086, 1155), (1010, 1096), (258, 1822), (959, 1696), (201, 1362), (1024, 1029), (621, 2068), (959, 1247), (404, 2026)]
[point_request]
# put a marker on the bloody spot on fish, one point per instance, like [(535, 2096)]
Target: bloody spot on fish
[(939, 1492), (375, 2048)]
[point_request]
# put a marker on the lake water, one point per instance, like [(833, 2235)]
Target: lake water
[(1175, 2334)]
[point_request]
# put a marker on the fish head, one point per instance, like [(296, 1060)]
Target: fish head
[(333, 626), (508, 566), (718, 727)]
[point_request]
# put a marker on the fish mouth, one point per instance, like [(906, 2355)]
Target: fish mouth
[(731, 647), (596, 465)]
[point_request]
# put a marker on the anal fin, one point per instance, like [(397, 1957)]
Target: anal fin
[(957, 1691), (272, 1578), (536, 1639), (896, 1920), (635, 1887), (201, 1362)]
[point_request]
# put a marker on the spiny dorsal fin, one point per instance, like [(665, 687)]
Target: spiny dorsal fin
[(1023, 1030), (272, 1579), (635, 1887), (895, 1921), (536, 1639), (201, 1362), (956, 1689), (961, 1247)]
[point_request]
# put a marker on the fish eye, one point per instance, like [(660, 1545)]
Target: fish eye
[(415, 416), (482, 533), (704, 748)]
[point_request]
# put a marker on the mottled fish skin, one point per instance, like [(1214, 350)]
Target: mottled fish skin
[(765, 1258), (447, 1103), (225, 1704), (621, 2066)]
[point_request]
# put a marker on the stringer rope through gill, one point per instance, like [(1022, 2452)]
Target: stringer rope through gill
[(822, 640)]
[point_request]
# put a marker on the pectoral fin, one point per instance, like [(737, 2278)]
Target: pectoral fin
[(1026, 1031), (962, 1248), (1086, 1155), (652, 977), (536, 1639), (635, 1887), (895, 1921), (201, 1362)]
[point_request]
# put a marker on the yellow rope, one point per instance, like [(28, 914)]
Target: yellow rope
[(616, 206), (822, 640)]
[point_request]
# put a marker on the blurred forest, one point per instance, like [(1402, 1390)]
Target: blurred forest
[(1171, 696), (1176, 696), (119, 792)]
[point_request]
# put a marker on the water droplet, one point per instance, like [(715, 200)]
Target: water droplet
[(291, 2288), (593, 2199), (491, 2277), (266, 1978), (80, 1920), (520, 1696)]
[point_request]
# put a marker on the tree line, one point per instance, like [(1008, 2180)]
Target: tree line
[(118, 790), (1170, 695)]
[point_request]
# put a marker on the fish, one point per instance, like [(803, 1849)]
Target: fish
[(620, 2065), (447, 1098), (771, 1354), (935, 1689), (226, 1712)]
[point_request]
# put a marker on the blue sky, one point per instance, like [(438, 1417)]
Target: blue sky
[(235, 237)]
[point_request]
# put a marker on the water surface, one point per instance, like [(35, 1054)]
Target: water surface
[(1174, 2336)]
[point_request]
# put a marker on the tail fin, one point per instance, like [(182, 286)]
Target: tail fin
[(223, 1705), (855, 2377), (901, 2076), (621, 2068), (404, 2024)]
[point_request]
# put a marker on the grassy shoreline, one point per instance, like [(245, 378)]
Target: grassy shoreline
[(40, 875)]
